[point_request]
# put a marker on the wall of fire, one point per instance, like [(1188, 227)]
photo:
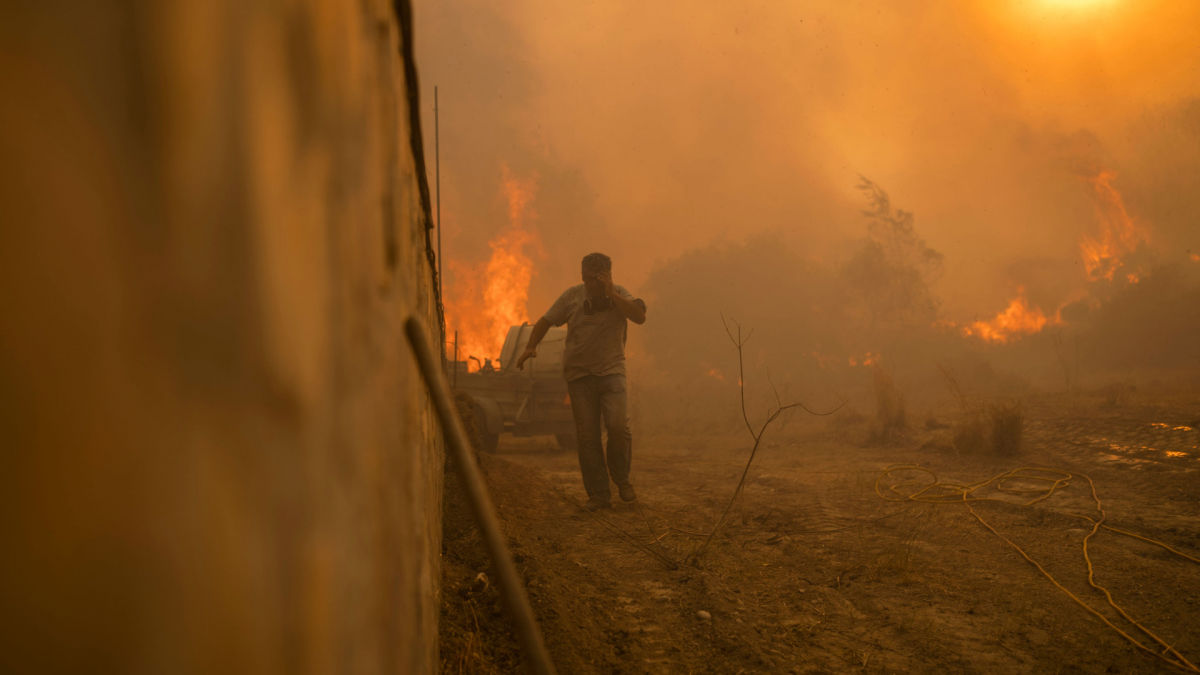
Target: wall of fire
[(218, 453)]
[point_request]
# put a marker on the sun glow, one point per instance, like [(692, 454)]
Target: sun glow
[(1058, 15), (1076, 4)]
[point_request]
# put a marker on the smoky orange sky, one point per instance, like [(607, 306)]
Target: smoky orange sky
[(652, 129)]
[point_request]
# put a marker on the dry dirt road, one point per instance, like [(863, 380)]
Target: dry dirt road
[(814, 571)]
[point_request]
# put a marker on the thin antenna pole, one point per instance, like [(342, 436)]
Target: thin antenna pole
[(437, 182)]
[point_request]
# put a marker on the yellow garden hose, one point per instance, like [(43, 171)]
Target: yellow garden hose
[(1051, 480)]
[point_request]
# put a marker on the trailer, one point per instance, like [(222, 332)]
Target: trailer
[(529, 402)]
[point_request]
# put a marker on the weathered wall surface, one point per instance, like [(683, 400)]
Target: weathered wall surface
[(218, 453)]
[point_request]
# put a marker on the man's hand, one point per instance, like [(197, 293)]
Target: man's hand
[(634, 310), (535, 337), (605, 279), (525, 356)]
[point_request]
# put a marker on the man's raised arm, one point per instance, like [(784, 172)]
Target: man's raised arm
[(634, 310)]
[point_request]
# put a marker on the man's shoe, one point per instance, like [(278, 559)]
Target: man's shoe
[(596, 503), (627, 493)]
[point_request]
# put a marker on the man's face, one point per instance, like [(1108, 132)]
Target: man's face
[(591, 281)]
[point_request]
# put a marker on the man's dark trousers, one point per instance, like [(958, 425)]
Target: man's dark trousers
[(596, 400)]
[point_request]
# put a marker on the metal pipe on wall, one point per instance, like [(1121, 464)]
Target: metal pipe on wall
[(512, 588)]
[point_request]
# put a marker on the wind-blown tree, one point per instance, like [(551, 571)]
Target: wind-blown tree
[(890, 275)]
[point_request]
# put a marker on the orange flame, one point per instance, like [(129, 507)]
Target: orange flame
[(1119, 235), (1016, 319), (486, 299), (716, 374), (868, 359)]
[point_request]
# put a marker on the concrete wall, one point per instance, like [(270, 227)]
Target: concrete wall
[(218, 455)]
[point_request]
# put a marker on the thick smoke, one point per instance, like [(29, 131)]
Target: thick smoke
[(713, 150), (823, 329), (818, 327)]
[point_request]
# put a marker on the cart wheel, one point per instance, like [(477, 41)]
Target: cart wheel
[(566, 441), (484, 439)]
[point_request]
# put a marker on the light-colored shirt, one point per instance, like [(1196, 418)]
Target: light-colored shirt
[(595, 334)]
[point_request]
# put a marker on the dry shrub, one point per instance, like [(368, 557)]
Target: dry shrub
[(932, 423), (970, 434), (890, 418), (1007, 422), (1117, 393), (846, 424), (996, 430)]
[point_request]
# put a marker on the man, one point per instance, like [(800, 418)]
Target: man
[(596, 313)]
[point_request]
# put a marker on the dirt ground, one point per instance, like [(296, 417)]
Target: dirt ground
[(815, 572)]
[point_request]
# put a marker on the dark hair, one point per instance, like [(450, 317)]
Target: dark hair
[(596, 262)]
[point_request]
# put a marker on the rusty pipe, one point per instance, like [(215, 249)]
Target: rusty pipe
[(512, 588)]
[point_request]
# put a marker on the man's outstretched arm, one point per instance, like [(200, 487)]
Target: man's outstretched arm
[(535, 338)]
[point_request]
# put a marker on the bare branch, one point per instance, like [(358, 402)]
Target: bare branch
[(772, 414), (732, 339), (774, 390), (810, 411), (738, 342)]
